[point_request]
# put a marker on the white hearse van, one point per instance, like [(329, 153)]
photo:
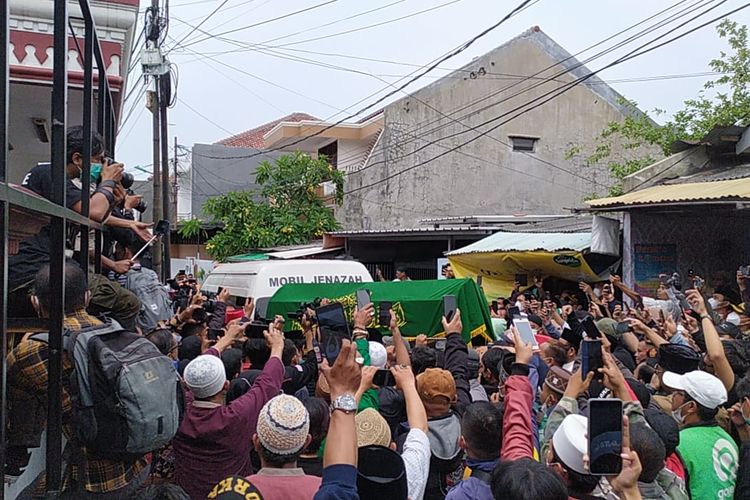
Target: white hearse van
[(260, 279)]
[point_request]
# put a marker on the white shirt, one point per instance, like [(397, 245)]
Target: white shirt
[(416, 456), (569, 367)]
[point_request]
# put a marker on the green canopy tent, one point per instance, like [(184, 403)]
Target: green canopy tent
[(418, 304)]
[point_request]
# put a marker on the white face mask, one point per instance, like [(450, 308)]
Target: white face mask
[(713, 302), (677, 415)]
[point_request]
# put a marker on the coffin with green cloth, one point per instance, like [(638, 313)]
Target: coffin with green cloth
[(418, 304)]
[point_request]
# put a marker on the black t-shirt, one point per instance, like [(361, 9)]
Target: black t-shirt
[(33, 253), (39, 180)]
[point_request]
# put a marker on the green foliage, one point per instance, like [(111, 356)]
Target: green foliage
[(722, 102), (191, 228), (287, 211)]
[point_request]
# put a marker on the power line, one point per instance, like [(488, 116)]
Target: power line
[(278, 18), (629, 56), (450, 55), (578, 64), (217, 9), (552, 66)]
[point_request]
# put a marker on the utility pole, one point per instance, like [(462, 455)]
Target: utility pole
[(155, 65), (175, 186), (164, 90), (157, 208)]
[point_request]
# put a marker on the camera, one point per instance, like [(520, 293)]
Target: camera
[(142, 206), (302, 310), (127, 179)]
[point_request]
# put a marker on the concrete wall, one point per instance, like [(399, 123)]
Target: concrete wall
[(486, 176), (218, 169)]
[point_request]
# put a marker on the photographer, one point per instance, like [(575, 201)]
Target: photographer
[(34, 252)]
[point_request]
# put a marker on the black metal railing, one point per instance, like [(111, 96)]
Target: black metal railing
[(55, 208)]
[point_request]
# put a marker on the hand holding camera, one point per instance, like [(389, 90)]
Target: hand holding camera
[(111, 170)]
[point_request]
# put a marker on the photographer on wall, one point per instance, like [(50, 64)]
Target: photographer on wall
[(34, 253)]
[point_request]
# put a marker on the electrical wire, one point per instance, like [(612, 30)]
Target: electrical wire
[(441, 60), (217, 9), (636, 53), (260, 23)]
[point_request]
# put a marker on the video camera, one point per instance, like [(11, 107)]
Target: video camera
[(302, 310)]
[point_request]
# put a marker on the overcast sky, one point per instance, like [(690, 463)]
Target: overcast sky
[(240, 90)]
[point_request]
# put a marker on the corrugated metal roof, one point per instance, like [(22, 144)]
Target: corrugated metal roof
[(418, 230), (730, 190), (528, 242)]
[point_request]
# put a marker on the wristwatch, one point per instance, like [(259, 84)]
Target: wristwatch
[(346, 403)]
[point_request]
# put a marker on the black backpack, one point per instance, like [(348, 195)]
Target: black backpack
[(125, 392)]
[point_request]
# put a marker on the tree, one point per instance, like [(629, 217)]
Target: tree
[(286, 211), (723, 101)]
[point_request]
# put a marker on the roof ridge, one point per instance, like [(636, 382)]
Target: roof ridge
[(254, 137)]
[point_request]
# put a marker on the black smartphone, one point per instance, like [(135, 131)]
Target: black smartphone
[(383, 378), (449, 306), (522, 279), (385, 314), (162, 227), (513, 313), (622, 328), (494, 306), (591, 358), (479, 280), (605, 437), (363, 298), (333, 329), (255, 329), (590, 328)]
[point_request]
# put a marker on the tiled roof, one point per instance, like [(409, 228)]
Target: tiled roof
[(253, 138)]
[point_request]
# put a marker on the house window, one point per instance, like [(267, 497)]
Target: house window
[(331, 152), (523, 143)]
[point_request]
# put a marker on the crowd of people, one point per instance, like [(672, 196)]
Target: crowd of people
[(178, 395)]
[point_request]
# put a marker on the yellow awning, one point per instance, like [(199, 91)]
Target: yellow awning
[(732, 190)]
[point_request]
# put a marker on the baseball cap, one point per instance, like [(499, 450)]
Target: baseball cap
[(703, 387), (436, 382), (677, 358), (570, 443), (205, 376), (283, 425)]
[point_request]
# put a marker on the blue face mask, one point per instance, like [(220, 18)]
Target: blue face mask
[(96, 171)]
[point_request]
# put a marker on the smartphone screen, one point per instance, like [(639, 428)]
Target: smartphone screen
[(383, 378), (494, 305), (590, 328), (449, 306), (591, 357), (333, 329), (385, 314), (605, 436), (522, 279), (524, 329), (363, 298)]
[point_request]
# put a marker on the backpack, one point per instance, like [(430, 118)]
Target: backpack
[(144, 283), (125, 392)]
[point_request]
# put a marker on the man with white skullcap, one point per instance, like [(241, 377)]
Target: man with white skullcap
[(283, 432), (214, 440)]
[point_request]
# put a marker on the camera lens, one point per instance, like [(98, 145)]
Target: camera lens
[(127, 180)]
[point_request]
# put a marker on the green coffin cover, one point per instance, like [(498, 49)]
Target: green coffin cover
[(418, 304)]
